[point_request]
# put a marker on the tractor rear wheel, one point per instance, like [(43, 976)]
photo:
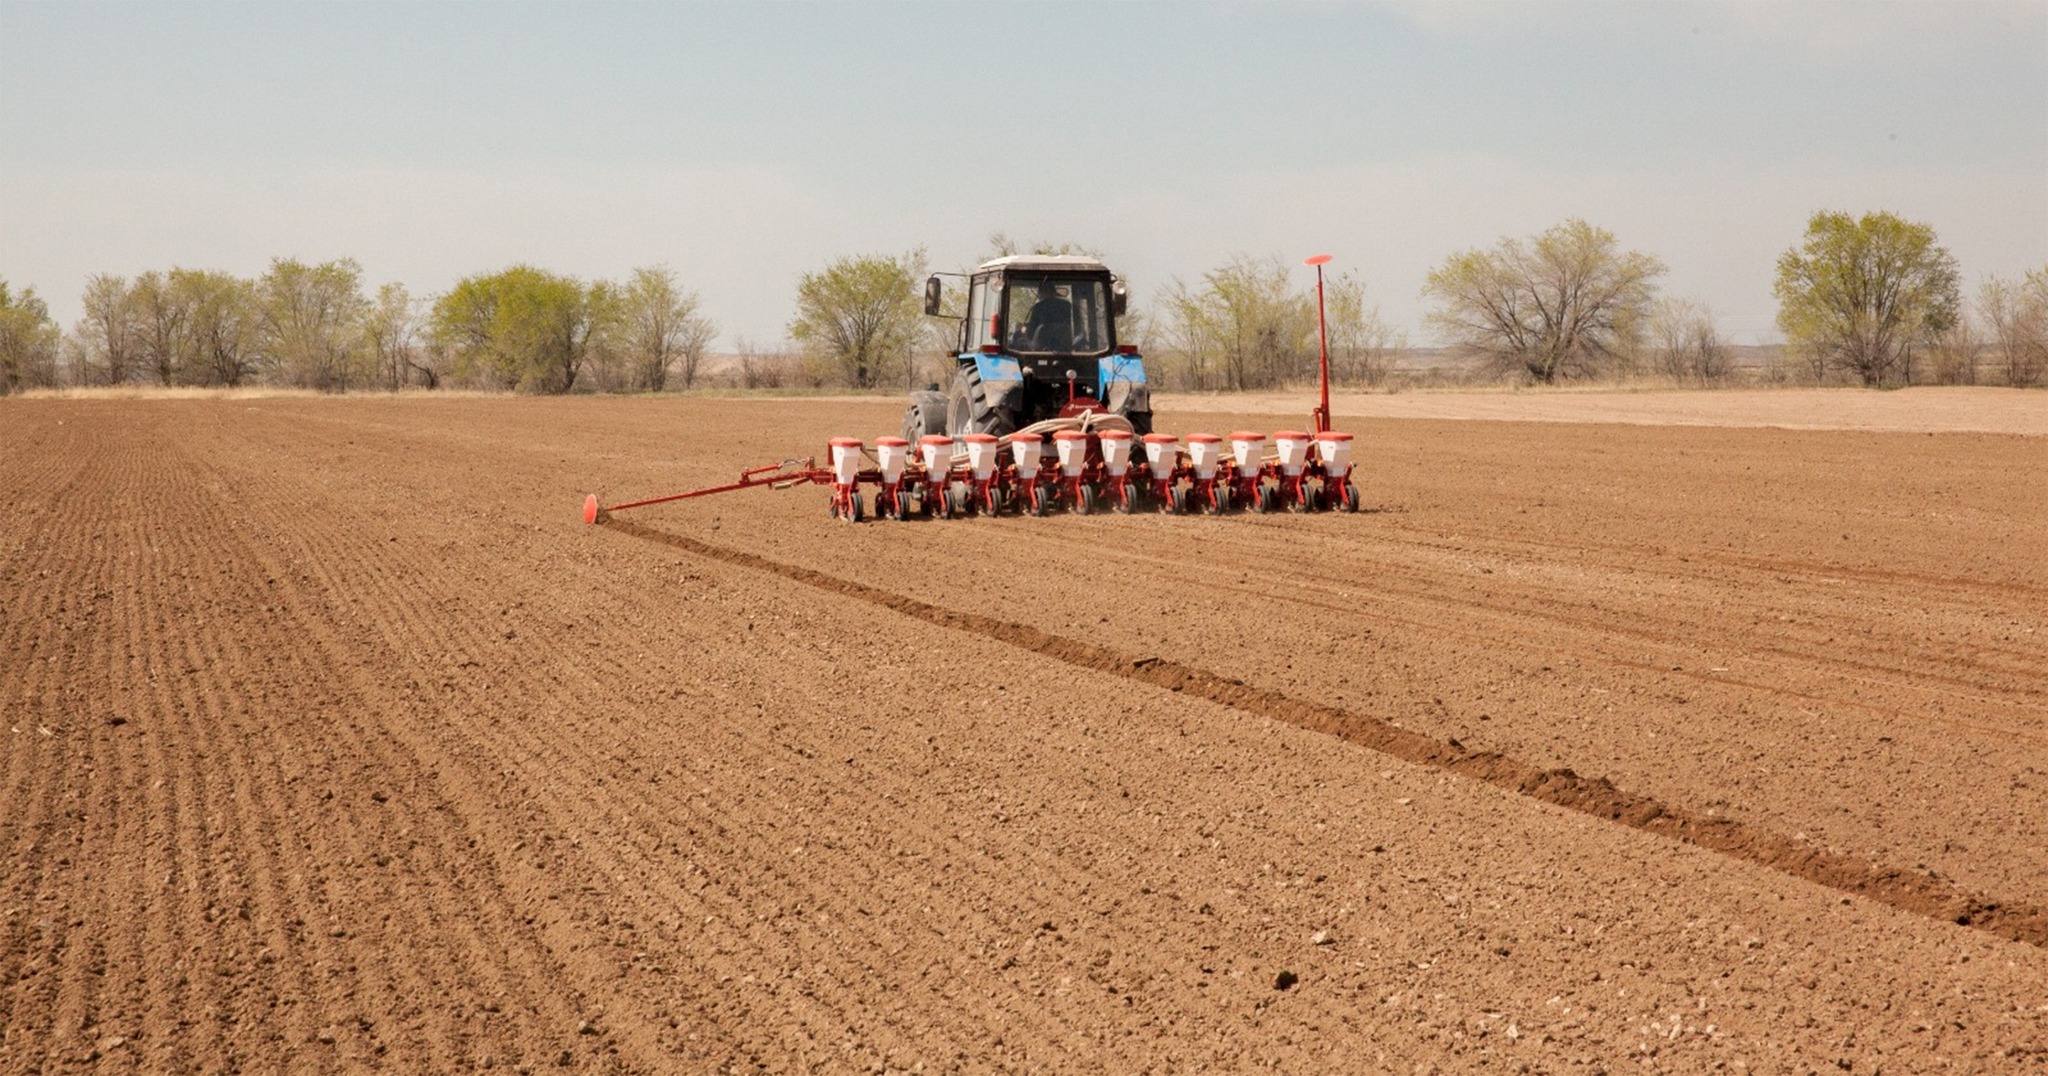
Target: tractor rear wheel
[(968, 411)]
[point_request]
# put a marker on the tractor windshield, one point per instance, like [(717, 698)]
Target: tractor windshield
[(1057, 315)]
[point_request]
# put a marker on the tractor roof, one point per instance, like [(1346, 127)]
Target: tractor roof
[(1042, 262)]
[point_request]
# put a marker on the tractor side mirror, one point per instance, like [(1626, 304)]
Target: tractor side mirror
[(931, 295), (1119, 296)]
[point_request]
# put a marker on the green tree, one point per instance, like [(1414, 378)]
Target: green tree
[(1244, 328), (310, 324), (859, 319), (522, 328), (1860, 295), (218, 315), (1557, 305), (660, 329), (28, 341)]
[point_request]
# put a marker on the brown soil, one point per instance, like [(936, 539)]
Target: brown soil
[(335, 740)]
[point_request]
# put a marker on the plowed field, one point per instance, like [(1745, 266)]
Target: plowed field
[(335, 740)]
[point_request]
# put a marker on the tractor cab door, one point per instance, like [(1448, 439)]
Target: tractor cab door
[(984, 313)]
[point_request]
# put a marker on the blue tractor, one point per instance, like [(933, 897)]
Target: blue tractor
[(1038, 340)]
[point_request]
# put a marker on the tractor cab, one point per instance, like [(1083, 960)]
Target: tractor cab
[(1037, 341)]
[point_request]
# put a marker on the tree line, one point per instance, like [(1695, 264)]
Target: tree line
[(314, 326), (1874, 300)]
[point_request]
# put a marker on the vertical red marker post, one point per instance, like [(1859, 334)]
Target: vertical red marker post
[(1323, 337)]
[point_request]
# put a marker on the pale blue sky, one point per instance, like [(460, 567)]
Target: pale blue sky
[(744, 144)]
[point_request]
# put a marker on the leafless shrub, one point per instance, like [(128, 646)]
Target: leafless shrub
[(2017, 311), (1684, 343), (766, 368)]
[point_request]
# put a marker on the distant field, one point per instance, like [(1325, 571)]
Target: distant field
[(1917, 410)]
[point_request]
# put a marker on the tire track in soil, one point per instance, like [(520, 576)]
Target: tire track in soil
[(1325, 570), (1920, 894), (1647, 630), (533, 756)]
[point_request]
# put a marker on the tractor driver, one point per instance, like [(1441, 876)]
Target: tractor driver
[(1050, 325)]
